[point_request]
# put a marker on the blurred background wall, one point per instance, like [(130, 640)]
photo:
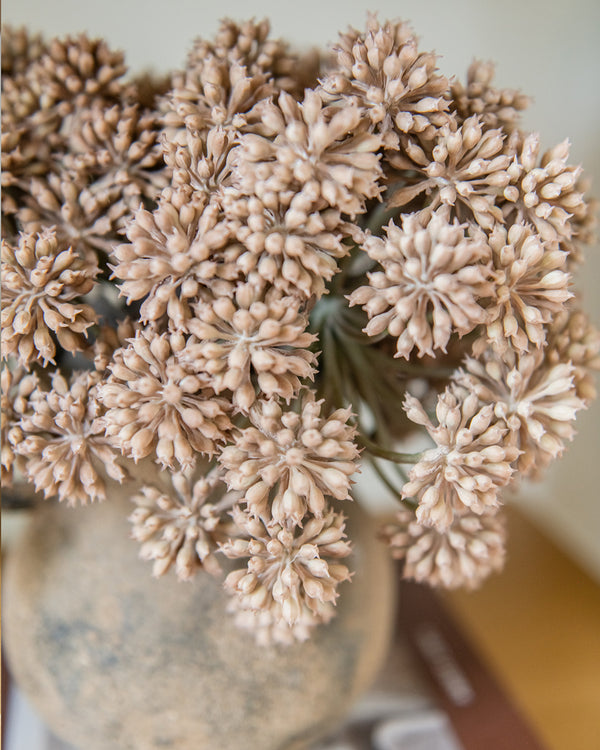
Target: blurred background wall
[(550, 49)]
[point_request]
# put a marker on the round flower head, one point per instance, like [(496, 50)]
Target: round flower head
[(75, 71), (497, 108), (289, 244), (248, 43), (30, 133), (19, 49), (544, 191), (182, 525), (65, 450), (117, 146), (289, 571), (531, 286), (43, 83), (471, 461), (215, 92), (157, 405), (287, 462), (88, 218), (464, 166), (462, 555), (383, 72), (42, 284), (322, 150), (175, 254), (254, 343), (535, 398), (433, 276)]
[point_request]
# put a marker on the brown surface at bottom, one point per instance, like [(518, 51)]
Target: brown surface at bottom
[(480, 711), (538, 625)]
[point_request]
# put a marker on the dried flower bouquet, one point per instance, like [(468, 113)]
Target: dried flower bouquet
[(269, 267)]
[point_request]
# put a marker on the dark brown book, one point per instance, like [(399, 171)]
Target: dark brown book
[(481, 712)]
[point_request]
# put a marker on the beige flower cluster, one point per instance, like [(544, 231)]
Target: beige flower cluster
[(290, 581), (182, 524), (470, 462), (156, 405), (41, 283), (63, 443), (79, 149), (433, 277), (462, 556), (267, 266), (254, 342)]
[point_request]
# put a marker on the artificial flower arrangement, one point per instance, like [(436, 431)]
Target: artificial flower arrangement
[(267, 268)]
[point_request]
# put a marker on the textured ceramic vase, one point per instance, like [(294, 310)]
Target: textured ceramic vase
[(113, 659)]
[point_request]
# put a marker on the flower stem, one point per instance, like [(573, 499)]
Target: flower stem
[(377, 450), (390, 486)]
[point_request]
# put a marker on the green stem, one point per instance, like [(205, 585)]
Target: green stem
[(379, 217), (401, 473), (386, 481), (331, 371), (377, 450)]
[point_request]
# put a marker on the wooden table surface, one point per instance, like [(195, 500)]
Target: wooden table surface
[(538, 626)]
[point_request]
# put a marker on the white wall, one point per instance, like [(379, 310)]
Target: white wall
[(549, 49)]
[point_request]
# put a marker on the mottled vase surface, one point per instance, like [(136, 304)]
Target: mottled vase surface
[(116, 660)]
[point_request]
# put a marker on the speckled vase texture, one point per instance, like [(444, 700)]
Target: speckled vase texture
[(114, 659)]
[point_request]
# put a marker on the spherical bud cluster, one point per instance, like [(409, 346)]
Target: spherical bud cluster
[(323, 151), (248, 43), (117, 147), (531, 286), (155, 404), (84, 217), (464, 166), (536, 399), (65, 450), (292, 574), (180, 526), (471, 461), (78, 70), (462, 555), (215, 93), (227, 79), (544, 191), (41, 85), (19, 49), (253, 344), (174, 255), (498, 108), (287, 463), (286, 241), (433, 276), (42, 285), (383, 72)]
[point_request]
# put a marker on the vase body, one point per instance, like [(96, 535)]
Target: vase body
[(114, 659)]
